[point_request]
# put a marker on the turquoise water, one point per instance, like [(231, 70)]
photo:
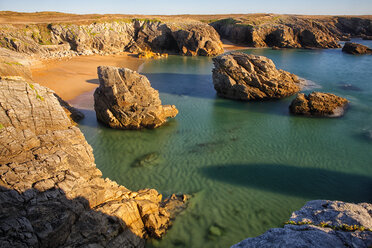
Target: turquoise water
[(247, 165)]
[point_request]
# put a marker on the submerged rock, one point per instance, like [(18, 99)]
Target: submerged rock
[(320, 223), (249, 77), (147, 160), (355, 48), (319, 104), (51, 192), (126, 100)]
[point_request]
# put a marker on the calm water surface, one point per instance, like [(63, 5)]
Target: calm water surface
[(247, 165)]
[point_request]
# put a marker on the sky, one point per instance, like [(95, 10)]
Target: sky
[(163, 7)]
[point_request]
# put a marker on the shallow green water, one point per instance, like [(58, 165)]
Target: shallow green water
[(249, 165)]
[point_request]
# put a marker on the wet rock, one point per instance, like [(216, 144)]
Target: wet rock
[(51, 192), (147, 160), (249, 77), (126, 100), (319, 104), (320, 223), (349, 87), (356, 49)]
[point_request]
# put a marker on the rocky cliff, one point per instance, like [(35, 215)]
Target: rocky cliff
[(249, 77), (126, 100), (51, 193), (319, 224), (107, 37), (291, 31)]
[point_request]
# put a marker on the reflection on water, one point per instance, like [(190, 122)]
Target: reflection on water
[(248, 165)]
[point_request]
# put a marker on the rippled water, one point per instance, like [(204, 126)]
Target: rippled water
[(248, 165)]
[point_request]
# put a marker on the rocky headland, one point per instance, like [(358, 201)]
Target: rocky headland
[(320, 223), (51, 192), (126, 100), (319, 104), (356, 49), (291, 31), (249, 77), (111, 36)]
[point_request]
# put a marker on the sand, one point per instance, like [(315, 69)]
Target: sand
[(70, 78), (229, 46)]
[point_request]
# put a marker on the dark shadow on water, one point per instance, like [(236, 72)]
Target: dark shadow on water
[(309, 183), (93, 81), (193, 85)]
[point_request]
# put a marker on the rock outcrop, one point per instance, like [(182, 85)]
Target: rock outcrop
[(126, 100), (356, 49), (190, 38), (279, 31), (292, 31), (249, 77), (320, 223), (319, 104), (51, 193)]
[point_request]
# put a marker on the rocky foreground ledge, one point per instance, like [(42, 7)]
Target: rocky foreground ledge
[(320, 224), (51, 192)]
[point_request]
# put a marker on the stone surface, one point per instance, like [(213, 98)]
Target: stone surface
[(319, 104), (333, 213), (51, 193), (126, 100), (279, 31), (356, 49), (249, 77), (186, 37)]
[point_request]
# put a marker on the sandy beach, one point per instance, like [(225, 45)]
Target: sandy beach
[(70, 78)]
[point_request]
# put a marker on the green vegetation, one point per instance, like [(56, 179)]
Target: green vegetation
[(146, 20), (12, 63), (1, 126), (37, 93), (344, 227)]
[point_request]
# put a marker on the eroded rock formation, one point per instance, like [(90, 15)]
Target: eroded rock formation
[(59, 40), (126, 100), (292, 31), (51, 193), (356, 49), (249, 77), (319, 104), (320, 223)]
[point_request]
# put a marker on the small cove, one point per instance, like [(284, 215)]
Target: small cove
[(247, 165)]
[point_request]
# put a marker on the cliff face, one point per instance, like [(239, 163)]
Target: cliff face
[(291, 31), (58, 40), (51, 193)]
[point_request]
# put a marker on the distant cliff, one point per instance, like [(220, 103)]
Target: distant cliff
[(189, 38), (291, 31)]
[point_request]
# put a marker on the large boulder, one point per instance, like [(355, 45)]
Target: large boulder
[(320, 224), (319, 104), (249, 77), (51, 192), (126, 100), (355, 48)]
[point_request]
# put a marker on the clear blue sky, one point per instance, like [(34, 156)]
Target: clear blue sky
[(332, 7)]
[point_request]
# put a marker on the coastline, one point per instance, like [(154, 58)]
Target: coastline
[(72, 77)]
